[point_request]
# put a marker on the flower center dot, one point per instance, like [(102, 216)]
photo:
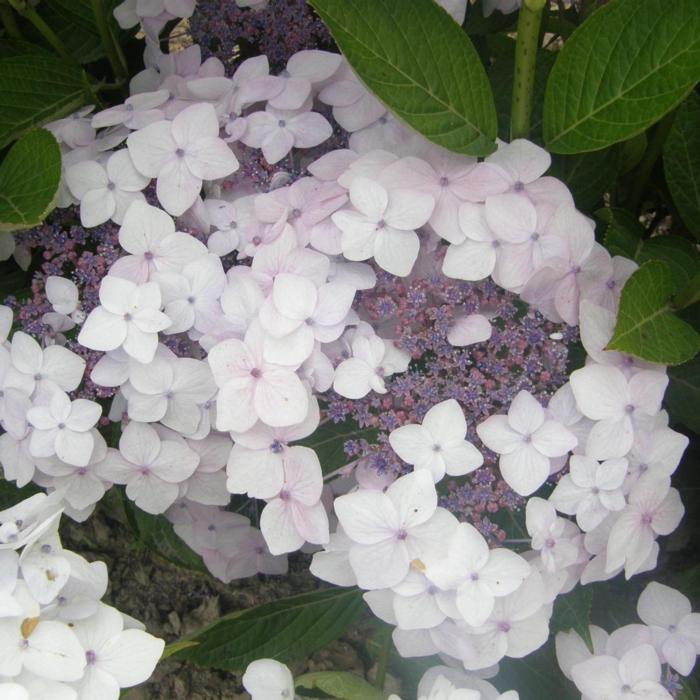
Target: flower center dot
[(611, 284), (90, 656), (519, 186), (296, 213), (180, 153), (111, 186), (629, 408), (255, 373), (401, 534), (61, 426), (504, 627), (444, 181), (281, 123), (647, 519), (127, 317), (148, 255)]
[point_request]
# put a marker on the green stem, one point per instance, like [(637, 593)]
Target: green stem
[(640, 176), (112, 49), (23, 8), (529, 20), (9, 21), (383, 660)]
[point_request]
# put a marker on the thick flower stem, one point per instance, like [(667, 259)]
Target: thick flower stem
[(23, 8), (9, 22), (529, 20), (112, 49)]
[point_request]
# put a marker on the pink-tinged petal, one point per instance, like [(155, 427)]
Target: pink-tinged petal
[(596, 676), (470, 261), (130, 657), (144, 228), (309, 129), (122, 172), (662, 606), (367, 517), (380, 565), (408, 209), (73, 447), (352, 378), (668, 515), (276, 144), (396, 251), (96, 207), (358, 235), (83, 415), (277, 526), (175, 462), (461, 458), (630, 542), (610, 438), (368, 197), (468, 330), (680, 653), (525, 414), (152, 147), (689, 627), (294, 296), (412, 443), (140, 345), (552, 439), (600, 391), (511, 217), (194, 123), (211, 159), (414, 498), (235, 408), (522, 159), (472, 222), (280, 398), (475, 602), (311, 522), (177, 186), (524, 470), (102, 330), (293, 95), (85, 176), (640, 664), (504, 572), (647, 389), (313, 65), (495, 432), (259, 126)]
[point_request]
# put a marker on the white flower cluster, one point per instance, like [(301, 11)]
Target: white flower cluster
[(57, 640), (629, 662), (267, 679)]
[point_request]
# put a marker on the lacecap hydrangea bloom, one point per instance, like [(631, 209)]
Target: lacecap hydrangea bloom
[(274, 254)]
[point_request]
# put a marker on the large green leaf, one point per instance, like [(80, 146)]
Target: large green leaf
[(35, 90), (626, 66), (572, 611), (682, 162), (10, 495), (416, 59), (588, 175), (646, 325), (339, 684), (29, 179), (156, 533), (680, 255), (683, 395), (288, 629), (328, 441)]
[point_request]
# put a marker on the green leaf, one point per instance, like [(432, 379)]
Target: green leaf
[(419, 62), (175, 647), (646, 326), (18, 47), (624, 68), (588, 175), (682, 162), (340, 684), (288, 629), (535, 677), (10, 495), (29, 179), (624, 233), (156, 533), (35, 90), (328, 441), (683, 394), (624, 236), (680, 255), (573, 612)]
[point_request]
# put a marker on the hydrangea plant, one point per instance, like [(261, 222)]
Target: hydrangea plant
[(401, 293)]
